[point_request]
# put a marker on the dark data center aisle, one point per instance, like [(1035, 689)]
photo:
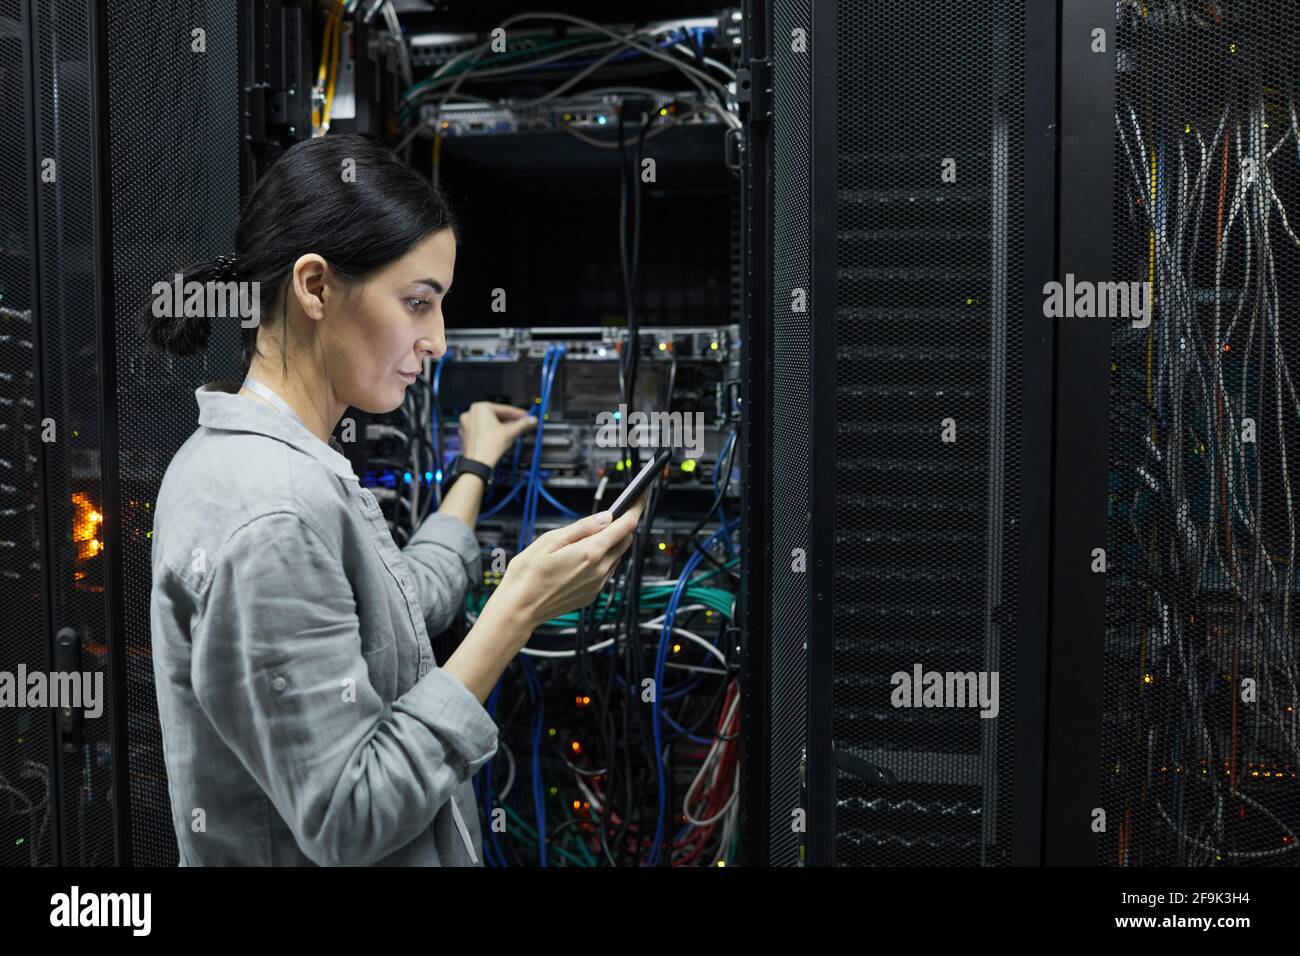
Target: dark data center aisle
[(964, 328)]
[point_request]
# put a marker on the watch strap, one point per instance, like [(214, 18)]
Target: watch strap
[(468, 466)]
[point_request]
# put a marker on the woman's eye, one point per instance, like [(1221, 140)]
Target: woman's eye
[(417, 304)]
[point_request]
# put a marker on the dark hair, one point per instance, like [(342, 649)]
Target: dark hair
[(304, 203)]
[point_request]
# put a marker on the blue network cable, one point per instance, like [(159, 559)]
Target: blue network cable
[(546, 404), (516, 484), (540, 411), (539, 795), (549, 364), (694, 738), (676, 726), (503, 502), (665, 635), (492, 852), (519, 486), (561, 508)]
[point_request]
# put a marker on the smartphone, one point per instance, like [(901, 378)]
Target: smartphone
[(653, 469)]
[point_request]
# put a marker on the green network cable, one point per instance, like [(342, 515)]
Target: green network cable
[(654, 597)]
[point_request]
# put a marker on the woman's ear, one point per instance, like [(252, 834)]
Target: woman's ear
[(309, 280)]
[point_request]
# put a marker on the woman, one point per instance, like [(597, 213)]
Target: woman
[(304, 718)]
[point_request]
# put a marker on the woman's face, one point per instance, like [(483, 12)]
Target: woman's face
[(389, 325)]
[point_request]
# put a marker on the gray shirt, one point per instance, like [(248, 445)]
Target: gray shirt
[(304, 719)]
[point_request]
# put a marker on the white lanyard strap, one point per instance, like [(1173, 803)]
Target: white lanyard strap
[(253, 385)]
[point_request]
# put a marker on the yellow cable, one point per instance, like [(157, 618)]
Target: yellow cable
[(322, 73), (334, 68), (325, 44)]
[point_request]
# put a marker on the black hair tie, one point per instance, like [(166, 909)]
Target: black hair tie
[(226, 268)]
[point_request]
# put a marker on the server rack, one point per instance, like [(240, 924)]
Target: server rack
[(920, 295), (1181, 658), (149, 116), (1155, 710), (126, 108)]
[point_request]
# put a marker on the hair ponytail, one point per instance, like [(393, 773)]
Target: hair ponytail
[(165, 324), (343, 197)]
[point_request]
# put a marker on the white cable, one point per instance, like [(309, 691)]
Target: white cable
[(596, 805), (533, 652), (708, 60), (710, 765), (403, 54), (696, 668), (699, 78), (654, 624), (510, 778)]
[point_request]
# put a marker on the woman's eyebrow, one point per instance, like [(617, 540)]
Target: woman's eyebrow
[(431, 283)]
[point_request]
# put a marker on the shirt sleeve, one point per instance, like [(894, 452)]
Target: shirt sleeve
[(444, 558), (278, 669)]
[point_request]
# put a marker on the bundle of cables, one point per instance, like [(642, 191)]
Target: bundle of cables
[(618, 826), (1202, 514), (533, 55), (710, 804)]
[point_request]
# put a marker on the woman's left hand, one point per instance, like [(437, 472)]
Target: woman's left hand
[(488, 429)]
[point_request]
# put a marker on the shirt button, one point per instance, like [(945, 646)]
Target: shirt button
[(279, 683)]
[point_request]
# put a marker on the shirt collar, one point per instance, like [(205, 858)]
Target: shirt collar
[(222, 407)]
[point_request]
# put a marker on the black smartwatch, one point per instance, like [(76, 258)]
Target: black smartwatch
[(468, 466)]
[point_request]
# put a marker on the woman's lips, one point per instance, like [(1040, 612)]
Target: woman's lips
[(410, 377)]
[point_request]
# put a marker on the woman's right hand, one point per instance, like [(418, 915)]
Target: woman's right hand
[(566, 568)]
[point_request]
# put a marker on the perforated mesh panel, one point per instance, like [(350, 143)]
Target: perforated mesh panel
[(925, 529), (1200, 717), (25, 833), (174, 129), (73, 803), (791, 421)]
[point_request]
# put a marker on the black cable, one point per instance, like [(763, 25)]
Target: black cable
[(620, 837), (634, 655), (628, 361), (709, 711), (607, 741), (632, 599), (622, 245), (508, 729), (730, 572), (672, 381), (722, 493), (725, 681)]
